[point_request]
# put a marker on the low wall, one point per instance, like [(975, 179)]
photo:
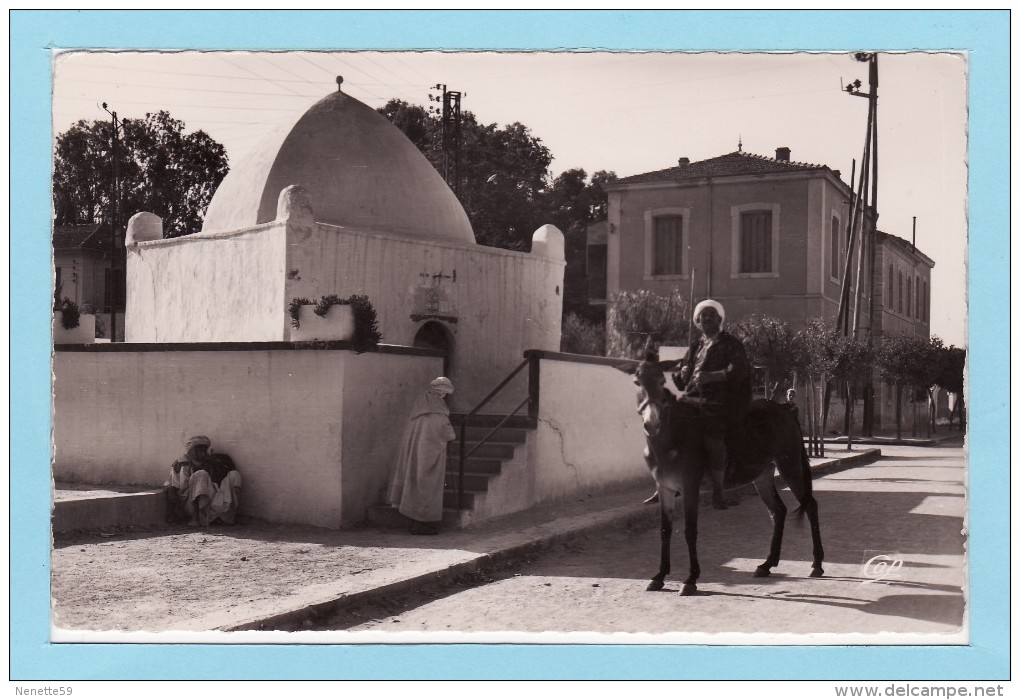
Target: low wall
[(313, 429), (589, 434)]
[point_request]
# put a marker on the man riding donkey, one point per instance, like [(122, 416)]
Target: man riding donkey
[(715, 376)]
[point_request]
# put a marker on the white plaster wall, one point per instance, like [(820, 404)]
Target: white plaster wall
[(122, 418), (207, 288), (506, 302), (589, 434)]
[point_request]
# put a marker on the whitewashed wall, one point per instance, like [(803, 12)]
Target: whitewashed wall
[(314, 432), (207, 288), (237, 287), (589, 435)]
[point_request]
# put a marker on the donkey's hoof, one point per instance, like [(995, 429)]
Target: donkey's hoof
[(762, 572), (654, 585), (817, 572), (689, 589)]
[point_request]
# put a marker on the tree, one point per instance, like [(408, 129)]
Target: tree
[(571, 203), (952, 361), (908, 361), (162, 169), (502, 174), (837, 357), (772, 346), (639, 317)]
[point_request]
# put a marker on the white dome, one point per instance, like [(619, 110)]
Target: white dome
[(359, 170)]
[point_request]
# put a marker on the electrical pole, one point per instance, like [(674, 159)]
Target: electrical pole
[(114, 225), (869, 222), (450, 121)]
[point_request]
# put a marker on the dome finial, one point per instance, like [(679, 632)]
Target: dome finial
[(339, 82)]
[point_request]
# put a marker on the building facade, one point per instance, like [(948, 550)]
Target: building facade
[(765, 236)]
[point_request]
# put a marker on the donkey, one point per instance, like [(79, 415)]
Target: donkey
[(771, 439)]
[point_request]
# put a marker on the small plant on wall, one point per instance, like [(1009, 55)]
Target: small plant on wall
[(366, 328), (70, 314)]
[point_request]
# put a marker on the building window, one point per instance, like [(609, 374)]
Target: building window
[(667, 237), (892, 282), (910, 287), (59, 284), (597, 271), (924, 301), (116, 288), (899, 292), (917, 297), (834, 238), (756, 242), (667, 246)]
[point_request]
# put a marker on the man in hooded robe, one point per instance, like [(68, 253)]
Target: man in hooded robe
[(417, 485)]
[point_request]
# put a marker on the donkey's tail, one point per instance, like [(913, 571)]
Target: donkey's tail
[(807, 497)]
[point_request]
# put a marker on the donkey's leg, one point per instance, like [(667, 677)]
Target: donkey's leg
[(796, 470), (817, 553), (667, 504), (692, 482), (765, 485)]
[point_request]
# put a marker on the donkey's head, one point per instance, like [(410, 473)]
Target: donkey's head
[(652, 395)]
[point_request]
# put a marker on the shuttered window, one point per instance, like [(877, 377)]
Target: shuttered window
[(756, 241), (834, 244), (667, 252), (892, 287)]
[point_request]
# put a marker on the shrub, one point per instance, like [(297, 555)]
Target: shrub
[(641, 317), (582, 336), (366, 325), (70, 314)]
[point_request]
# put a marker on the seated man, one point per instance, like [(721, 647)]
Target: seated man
[(208, 485), (716, 372), (179, 508)]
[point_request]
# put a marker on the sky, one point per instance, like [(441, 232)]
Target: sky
[(623, 112)]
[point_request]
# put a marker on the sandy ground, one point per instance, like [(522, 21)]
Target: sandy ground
[(153, 580)]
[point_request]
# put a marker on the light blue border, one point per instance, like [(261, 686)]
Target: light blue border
[(985, 34)]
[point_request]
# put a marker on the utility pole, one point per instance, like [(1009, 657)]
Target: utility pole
[(114, 225), (450, 121), (868, 224)]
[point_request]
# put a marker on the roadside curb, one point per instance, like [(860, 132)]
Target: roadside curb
[(292, 620), (624, 517)]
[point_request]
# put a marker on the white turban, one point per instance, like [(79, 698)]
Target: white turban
[(441, 384), (706, 304), (196, 441)]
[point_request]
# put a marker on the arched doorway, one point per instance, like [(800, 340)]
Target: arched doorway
[(434, 335)]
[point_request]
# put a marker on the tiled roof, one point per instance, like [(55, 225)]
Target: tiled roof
[(904, 245), (736, 163), (90, 236)]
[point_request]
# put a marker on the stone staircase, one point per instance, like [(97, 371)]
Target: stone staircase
[(489, 461), (105, 507)]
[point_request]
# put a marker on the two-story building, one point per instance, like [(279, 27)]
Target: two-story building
[(762, 235)]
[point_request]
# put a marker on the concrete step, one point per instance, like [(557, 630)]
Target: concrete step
[(474, 466), (489, 450), (99, 507), (514, 436), (490, 421), (389, 517), (476, 483)]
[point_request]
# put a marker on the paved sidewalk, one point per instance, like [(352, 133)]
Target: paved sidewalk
[(340, 568)]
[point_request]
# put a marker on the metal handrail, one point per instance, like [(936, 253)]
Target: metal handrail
[(464, 425)]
